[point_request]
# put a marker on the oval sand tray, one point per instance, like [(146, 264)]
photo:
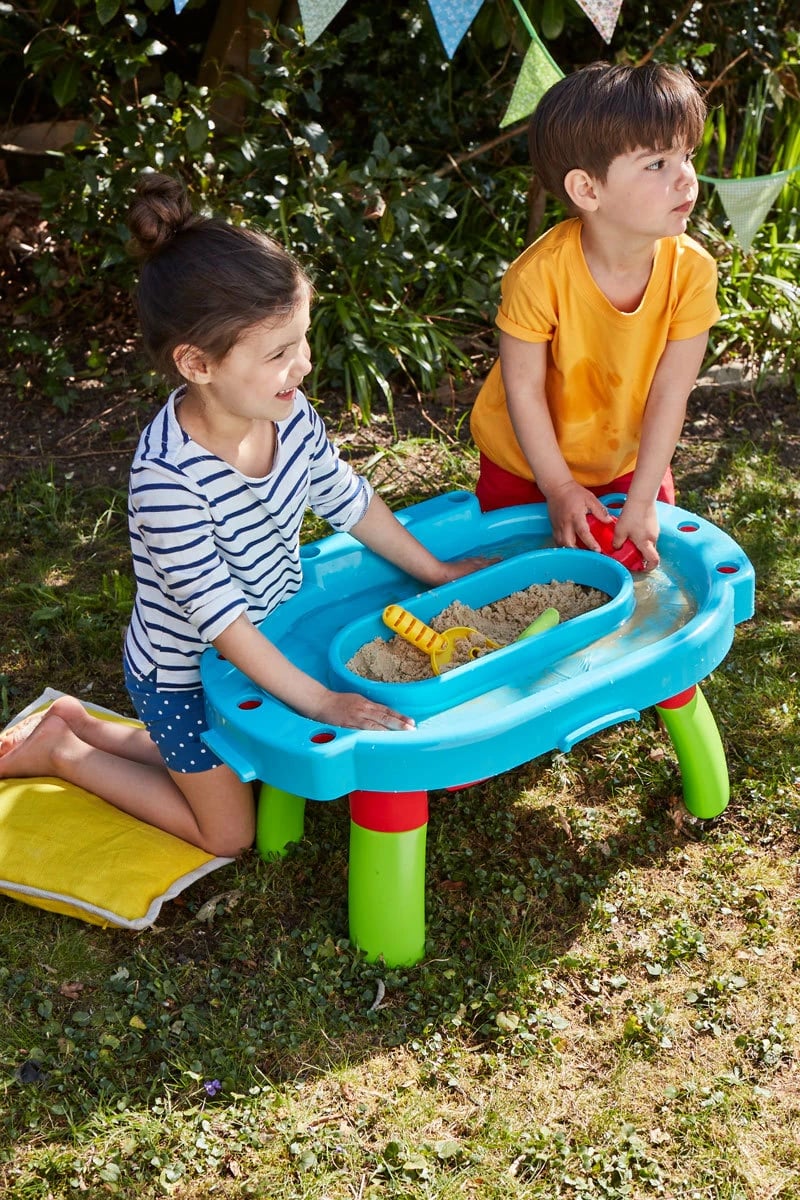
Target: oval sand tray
[(517, 660)]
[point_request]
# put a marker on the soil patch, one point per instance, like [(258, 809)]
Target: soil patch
[(417, 451)]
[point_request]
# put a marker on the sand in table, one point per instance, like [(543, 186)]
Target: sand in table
[(396, 661)]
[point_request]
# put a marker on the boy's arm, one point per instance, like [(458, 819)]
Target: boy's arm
[(524, 367), (675, 376)]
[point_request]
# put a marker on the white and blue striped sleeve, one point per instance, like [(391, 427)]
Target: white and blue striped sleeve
[(336, 492), (172, 534)]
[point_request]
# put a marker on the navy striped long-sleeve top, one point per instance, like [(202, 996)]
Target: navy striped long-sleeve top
[(210, 543)]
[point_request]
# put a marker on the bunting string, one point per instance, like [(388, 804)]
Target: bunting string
[(453, 18)]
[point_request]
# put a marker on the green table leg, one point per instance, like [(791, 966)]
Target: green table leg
[(695, 736), (388, 833), (279, 820)]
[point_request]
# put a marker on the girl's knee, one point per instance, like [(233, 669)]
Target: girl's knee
[(69, 710), (231, 843)]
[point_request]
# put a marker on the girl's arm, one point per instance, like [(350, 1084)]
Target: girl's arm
[(380, 531), (260, 660), (524, 367), (257, 657)]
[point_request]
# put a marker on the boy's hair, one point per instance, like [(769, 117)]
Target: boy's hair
[(203, 282), (601, 111)]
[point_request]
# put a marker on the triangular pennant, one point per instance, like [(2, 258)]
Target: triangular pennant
[(538, 73), (747, 201), (453, 18), (180, 5), (317, 15), (603, 14)]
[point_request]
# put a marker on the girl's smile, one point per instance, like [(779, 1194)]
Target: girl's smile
[(258, 377)]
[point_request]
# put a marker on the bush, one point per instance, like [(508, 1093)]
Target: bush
[(403, 201)]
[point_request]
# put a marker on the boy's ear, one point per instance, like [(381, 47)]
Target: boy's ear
[(579, 186), (192, 363)]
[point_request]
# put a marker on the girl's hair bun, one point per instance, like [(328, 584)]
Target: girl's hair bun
[(203, 282), (160, 209)]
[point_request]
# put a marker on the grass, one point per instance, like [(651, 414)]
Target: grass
[(608, 1005)]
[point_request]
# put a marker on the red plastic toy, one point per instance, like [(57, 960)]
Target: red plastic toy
[(627, 554)]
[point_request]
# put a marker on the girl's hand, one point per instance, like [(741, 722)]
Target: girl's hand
[(353, 711), (461, 567), (567, 508)]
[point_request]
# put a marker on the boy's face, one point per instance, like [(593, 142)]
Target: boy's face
[(651, 192)]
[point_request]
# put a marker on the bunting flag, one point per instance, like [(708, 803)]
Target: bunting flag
[(317, 15), (747, 201), (453, 18), (538, 73), (603, 14)]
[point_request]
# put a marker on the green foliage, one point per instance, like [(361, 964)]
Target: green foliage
[(407, 243), (620, 1164), (760, 301)]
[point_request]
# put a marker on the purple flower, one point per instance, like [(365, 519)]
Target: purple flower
[(212, 1086)]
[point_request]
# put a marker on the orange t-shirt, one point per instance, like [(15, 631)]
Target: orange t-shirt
[(600, 361)]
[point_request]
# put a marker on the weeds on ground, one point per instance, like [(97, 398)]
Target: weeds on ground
[(607, 1008)]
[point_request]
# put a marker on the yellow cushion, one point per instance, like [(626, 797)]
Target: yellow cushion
[(65, 850)]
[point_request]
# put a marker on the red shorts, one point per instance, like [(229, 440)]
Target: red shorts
[(498, 488)]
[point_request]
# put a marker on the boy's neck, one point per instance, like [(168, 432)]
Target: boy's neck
[(620, 268)]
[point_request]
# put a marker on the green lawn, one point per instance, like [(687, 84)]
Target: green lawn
[(608, 1003)]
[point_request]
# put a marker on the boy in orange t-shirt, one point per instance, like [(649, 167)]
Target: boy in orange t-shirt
[(604, 320)]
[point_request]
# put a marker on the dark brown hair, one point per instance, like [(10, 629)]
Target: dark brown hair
[(203, 282), (601, 111)]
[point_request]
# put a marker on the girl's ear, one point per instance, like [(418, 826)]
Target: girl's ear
[(580, 187), (192, 363)]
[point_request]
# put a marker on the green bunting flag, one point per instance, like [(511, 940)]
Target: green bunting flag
[(538, 73), (747, 201)]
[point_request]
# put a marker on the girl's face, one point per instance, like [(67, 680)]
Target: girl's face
[(257, 378)]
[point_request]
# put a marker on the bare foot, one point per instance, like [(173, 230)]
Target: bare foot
[(10, 738), (34, 755)]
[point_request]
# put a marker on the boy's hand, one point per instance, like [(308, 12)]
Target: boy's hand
[(639, 522), (353, 711), (567, 507)]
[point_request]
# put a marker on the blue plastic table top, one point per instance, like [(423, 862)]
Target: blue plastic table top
[(659, 634)]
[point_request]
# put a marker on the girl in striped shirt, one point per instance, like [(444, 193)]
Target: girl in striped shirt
[(219, 484)]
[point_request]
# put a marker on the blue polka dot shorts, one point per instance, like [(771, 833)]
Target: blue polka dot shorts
[(174, 720)]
